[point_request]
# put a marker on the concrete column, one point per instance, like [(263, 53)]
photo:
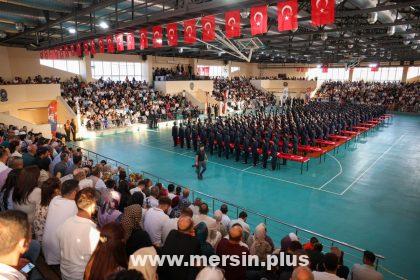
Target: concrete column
[(404, 74), (85, 70), (351, 74)]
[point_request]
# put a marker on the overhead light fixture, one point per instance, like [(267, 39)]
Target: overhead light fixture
[(350, 46), (72, 30), (373, 53), (181, 50), (3, 35), (414, 47), (104, 25), (406, 42), (20, 27), (245, 13), (391, 30), (324, 36), (373, 65), (372, 18)]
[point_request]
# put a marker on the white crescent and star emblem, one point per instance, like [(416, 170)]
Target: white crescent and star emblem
[(232, 22), (324, 7), (189, 30), (156, 34), (286, 8), (207, 27), (258, 14), (171, 33)]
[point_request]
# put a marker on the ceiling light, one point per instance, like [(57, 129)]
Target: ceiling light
[(324, 36), (20, 27), (391, 30), (181, 50), (3, 35), (103, 25), (72, 30), (350, 46), (245, 13), (372, 18), (414, 47), (406, 42)]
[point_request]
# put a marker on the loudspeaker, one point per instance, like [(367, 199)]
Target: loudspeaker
[(144, 57)]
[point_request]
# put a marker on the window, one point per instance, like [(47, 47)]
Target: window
[(333, 74), (413, 72), (383, 74), (119, 70), (212, 71), (234, 69), (72, 66)]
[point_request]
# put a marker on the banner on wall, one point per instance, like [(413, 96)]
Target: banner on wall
[(52, 117)]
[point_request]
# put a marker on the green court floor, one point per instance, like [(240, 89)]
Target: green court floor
[(367, 195)]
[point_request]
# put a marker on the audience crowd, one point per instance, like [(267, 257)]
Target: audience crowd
[(175, 74), (106, 103), (395, 96), (85, 220), (35, 80)]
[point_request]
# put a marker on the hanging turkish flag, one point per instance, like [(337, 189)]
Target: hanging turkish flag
[(157, 36), (66, 52), (258, 18), (233, 24), (374, 69), (110, 44), (92, 47), (79, 49), (72, 50), (143, 39), (41, 54), (322, 12), (209, 25), (190, 32), (172, 34), (324, 69), (287, 15), (131, 43), (101, 45), (120, 42)]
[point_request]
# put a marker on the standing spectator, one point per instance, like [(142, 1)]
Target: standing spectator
[(60, 169), (109, 256), (78, 236), (365, 271), (155, 219), (60, 209), (330, 266), (49, 190), (67, 129), (15, 235), (225, 217), (27, 195), (29, 157), (73, 129), (6, 192)]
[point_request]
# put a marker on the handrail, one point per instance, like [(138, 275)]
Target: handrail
[(265, 217)]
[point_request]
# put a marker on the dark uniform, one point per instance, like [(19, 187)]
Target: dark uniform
[(246, 149), (274, 150), (175, 134), (265, 154), (188, 136), (194, 136), (255, 155)]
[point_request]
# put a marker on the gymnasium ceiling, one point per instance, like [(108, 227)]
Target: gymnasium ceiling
[(43, 24)]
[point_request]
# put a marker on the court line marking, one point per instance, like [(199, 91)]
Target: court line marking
[(338, 174), (249, 167), (373, 164), (245, 171)]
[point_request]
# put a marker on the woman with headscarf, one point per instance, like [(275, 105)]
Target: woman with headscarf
[(260, 246), (201, 233), (175, 209), (109, 211)]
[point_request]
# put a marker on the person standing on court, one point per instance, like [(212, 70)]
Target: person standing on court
[(200, 162), (194, 135), (188, 136), (175, 134), (73, 129), (67, 129), (181, 135)]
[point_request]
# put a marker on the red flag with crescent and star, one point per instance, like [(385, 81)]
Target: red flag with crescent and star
[(287, 15), (79, 49), (92, 47), (209, 24), (172, 34), (233, 24), (66, 51), (157, 36), (120, 42), (72, 50), (190, 32), (101, 45), (110, 44), (86, 47), (322, 12), (131, 43), (143, 39), (258, 19)]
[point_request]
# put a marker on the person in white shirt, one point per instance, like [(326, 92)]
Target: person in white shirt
[(242, 221), (171, 191), (203, 217), (330, 265), (172, 224), (140, 188), (78, 236), (155, 219), (15, 235), (60, 209), (152, 200), (225, 217), (365, 270)]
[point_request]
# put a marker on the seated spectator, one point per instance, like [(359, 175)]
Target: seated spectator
[(152, 200), (302, 273), (29, 157), (27, 195), (145, 248), (109, 256), (259, 244), (195, 207), (242, 221), (342, 270), (233, 247), (60, 209), (124, 191), (134, 235), (15, 235), (155, 219), (310, 245), (316, 257), (49, 189), (225, 217), (365, 270), (201, 232), (109, 211), (78, 236), (172, 224), (60, 169), (180, 242), (330, 265), (203, 217)]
